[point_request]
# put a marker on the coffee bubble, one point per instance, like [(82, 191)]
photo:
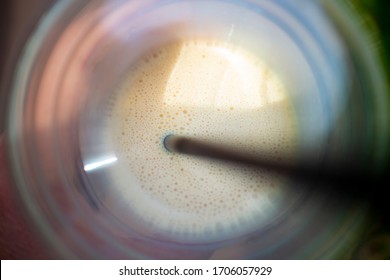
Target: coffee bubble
[(216, 92)]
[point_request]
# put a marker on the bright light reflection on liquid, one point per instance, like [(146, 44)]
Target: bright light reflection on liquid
[(244, 82)]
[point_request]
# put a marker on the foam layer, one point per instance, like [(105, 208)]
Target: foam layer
[(215, 92)]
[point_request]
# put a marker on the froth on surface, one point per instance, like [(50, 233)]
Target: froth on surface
[(212, 91)]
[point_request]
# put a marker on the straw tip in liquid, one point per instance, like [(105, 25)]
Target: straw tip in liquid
[(169, 143)]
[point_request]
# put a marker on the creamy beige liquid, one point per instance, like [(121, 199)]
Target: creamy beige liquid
[(212, 91)]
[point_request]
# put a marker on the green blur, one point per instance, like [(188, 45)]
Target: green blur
[(374, 17)]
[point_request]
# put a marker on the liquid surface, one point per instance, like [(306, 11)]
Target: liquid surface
[(215, 92)]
